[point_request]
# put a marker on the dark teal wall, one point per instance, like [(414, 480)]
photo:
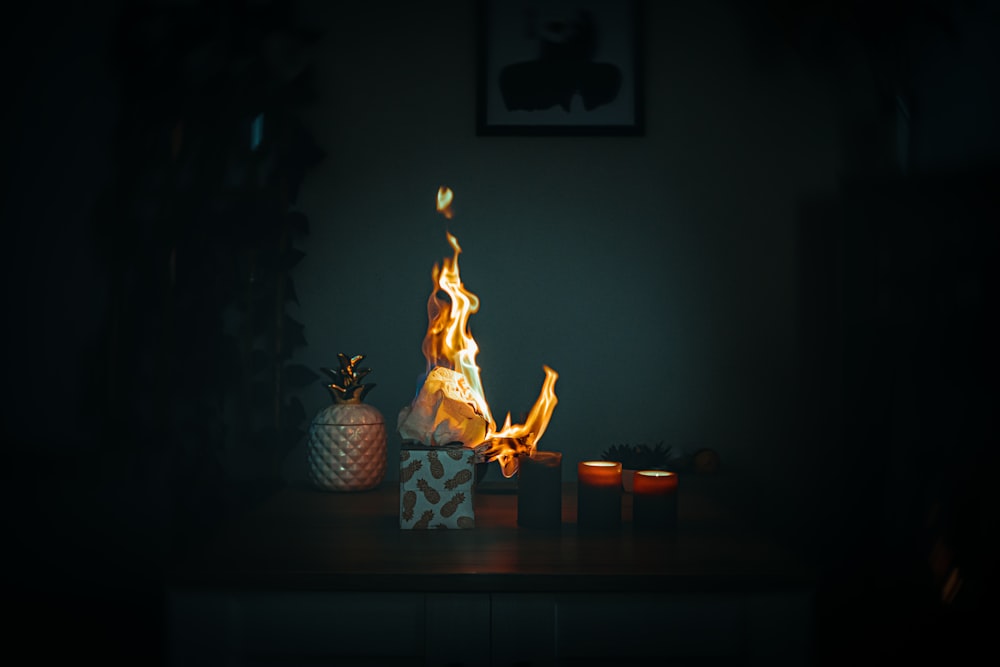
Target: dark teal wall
[(656, 274)]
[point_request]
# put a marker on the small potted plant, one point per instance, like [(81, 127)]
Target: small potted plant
[(637, 457)]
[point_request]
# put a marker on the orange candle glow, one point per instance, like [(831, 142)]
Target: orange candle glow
[(599, 473), (599, 494), (654, 482), (654, 500)]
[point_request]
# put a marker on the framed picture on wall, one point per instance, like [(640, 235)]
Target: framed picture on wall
[(559, 67)]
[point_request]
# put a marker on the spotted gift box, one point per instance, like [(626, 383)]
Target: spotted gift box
[(436, 487)]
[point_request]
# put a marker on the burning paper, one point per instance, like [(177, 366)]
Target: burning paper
[(450, 405), (443, 412)]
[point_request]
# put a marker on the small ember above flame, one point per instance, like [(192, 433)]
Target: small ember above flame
[(445, 197), (449, 344)]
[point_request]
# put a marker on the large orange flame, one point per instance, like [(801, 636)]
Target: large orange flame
[(449, 343)]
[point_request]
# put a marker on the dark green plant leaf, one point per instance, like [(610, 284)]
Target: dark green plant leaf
[(262, 395), (227, 363), (291, 295), (260, 361), (297, 222), (263, 438), (291, 257), (302, 89), (294, 333), (261, 320), (294, 413), (290, 436), (298, 375)]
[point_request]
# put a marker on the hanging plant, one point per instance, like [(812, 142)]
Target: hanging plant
[(200, 236)]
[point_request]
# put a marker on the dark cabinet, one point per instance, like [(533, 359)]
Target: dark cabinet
[(315, 578)]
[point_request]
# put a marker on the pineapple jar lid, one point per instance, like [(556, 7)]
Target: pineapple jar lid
[(348, 392)]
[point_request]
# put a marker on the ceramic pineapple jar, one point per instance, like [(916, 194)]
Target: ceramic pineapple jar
[(347, 440)]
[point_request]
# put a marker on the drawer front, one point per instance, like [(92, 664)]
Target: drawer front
[(649, 626), (294, 628)]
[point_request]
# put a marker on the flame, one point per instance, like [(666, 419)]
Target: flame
[(518, 439), (445, 197), (449, 343)]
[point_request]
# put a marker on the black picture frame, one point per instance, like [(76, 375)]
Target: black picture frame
[(559, 68)]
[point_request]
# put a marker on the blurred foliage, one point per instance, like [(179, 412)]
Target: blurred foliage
[(198, 235), (638, 456)]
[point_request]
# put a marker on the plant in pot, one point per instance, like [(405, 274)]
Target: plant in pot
[(637, 457), (196, 234)]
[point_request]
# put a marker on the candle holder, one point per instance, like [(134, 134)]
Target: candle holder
[(539, 490), (599, 495), (654, 500)]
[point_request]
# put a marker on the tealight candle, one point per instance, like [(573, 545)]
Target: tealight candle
[(654, 500), (599, 503), (539, 490)]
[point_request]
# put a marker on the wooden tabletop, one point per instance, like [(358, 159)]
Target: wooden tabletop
[(303, 539)]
